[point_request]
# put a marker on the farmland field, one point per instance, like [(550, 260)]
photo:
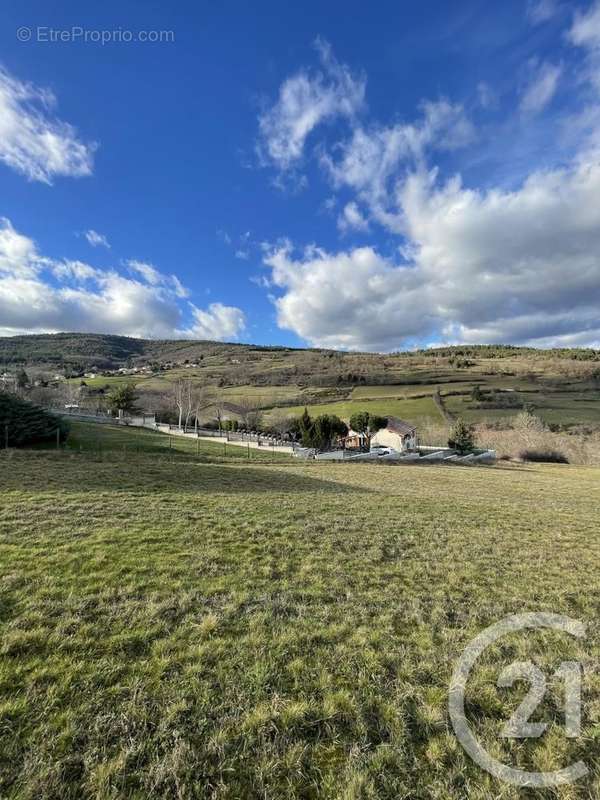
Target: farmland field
[(175, 627), (412, 409), (562, 388), (565, 408)]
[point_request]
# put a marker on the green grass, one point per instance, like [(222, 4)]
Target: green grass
[(399, 391), (410, 409), (95, 438), (176, 628), (111, 380), (565, 408)]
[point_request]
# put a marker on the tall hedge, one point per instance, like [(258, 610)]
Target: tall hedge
[(27, 423)]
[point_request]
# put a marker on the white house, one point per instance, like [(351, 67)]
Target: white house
[(398, 435)]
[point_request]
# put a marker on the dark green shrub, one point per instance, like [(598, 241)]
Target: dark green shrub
[(22, 423), (544, 456)]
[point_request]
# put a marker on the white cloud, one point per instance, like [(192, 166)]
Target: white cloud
[(516, 264), (224, 323), (40, 294), (355, 300), (489, 266), (75, 270), (148, 272), (585, 31), (541, 88), (540, 11), (96, 239), (18, 255), (154, 277), (487, 96), (351, 218), (305, 100), (32, 141), (371, 159)]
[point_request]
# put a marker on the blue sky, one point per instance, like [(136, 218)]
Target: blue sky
[(361, 179)]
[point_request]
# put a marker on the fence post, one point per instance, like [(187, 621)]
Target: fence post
[(58, 438), (248, 449), (6, 437), (197, 447)]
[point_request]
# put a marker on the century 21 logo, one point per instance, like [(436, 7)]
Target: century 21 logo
[(519, 725)]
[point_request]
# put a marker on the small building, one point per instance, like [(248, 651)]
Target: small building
[(356, 441), (398, 435)]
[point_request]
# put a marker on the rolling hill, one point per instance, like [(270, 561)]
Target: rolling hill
[(484, 383)]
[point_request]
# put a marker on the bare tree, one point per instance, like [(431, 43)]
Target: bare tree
[(219, 409), (188, 398), (44, 396), (182, 399), (281, 422), (71, 393), (254, 420), (197, 403), (189, 402), (250, 414)]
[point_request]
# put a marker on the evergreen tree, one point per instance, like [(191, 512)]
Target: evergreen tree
[(123, 398), (22, 379), (23, 423), (461, 437), (307, 429), (326, 428)]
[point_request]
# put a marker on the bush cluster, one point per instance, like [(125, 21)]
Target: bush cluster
[(23, 423), (544, 456)]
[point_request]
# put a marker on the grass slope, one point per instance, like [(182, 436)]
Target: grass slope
[(180, 629), (131, 442), (411, 409)]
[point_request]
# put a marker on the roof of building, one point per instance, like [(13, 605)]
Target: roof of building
[(400, 426)]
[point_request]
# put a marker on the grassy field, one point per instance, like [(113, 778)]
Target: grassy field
[(564, 408), (411, 409), (185, 628), (130, 442)]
